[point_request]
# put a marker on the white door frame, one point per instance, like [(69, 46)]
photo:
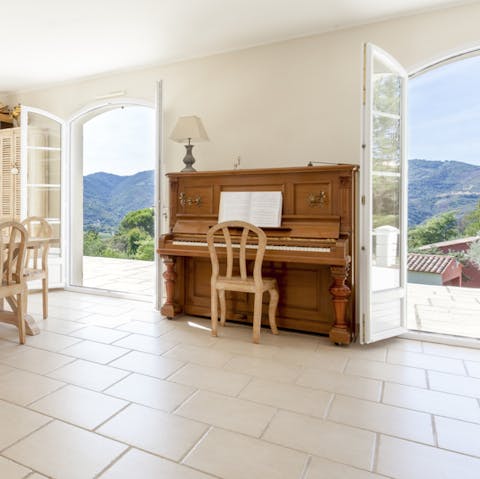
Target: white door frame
[(75, 148)]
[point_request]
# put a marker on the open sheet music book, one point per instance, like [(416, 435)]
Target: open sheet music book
[(261, 208)]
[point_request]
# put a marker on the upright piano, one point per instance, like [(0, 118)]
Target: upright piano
[(310, 254)]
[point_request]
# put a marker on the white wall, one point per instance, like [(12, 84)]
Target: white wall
[(276, 105)]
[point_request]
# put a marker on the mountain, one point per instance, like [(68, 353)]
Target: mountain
[(436, 187), (107, 198)]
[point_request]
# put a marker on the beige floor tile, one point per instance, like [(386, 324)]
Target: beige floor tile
[(245, 347), (403, 344), (9, 349), (103, 320), (228, 413), (458, 436), (264, 368), (437, 349), (152, 392), (58, 325), (418, 360), (145, 344), (18, 422), (22, 387), (433, 402), (194, 337), (356, 386), (195, 354), (108, 309), (244, 457), (137, 463), (78, 455), (387, 372), (95, 352), (148, 364), (288, 396), (450, 383), (79, 406), (99, 334), (154, 431), (312, 359), (402, 459), (37, 361), (473, 369), (58, 311), (149, 329), (211, 379), (11, 470), (37, 476), (395, 421), (337, 442), (50, 341), (372, 352), (319, 468), (90, 375)]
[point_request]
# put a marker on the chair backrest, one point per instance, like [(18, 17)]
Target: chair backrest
[(37, 228), (13, 241), (219, 238)]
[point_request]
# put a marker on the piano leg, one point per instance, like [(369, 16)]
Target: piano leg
[(170, 309), (340, 332)]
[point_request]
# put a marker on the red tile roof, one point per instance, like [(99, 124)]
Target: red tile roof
[(428, 263)]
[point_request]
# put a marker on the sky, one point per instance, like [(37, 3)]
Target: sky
[(120, 141), (444, 113)]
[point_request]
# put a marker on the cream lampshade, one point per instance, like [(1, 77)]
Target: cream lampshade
[(187, 129)]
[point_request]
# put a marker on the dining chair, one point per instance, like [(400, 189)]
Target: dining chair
[(13, 240), (36, 265), (220, 244)]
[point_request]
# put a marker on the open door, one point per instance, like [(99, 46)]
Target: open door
[(383, 189)]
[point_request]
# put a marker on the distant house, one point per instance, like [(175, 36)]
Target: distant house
[(471, 272), (435, 269)]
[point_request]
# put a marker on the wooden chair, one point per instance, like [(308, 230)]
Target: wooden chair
[(37, 254), (13, 240), (222, 233)]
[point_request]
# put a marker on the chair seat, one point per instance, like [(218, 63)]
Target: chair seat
[(247, 285), (33, 274)]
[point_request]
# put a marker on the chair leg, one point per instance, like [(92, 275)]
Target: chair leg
[(21, 317), (257, 317), (223, 306), (272, 310), (214, 310), (45, 297)]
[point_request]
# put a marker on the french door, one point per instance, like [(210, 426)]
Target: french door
[(42, 146), (383, 190)]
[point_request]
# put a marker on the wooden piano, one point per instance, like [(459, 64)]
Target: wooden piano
[(310, 254)]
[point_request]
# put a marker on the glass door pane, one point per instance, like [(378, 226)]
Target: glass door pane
[(383, 215), (43, 150)]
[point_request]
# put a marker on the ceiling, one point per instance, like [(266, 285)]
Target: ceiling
[(51, 41)]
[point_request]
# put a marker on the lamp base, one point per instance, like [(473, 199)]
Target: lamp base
[(189, 160)]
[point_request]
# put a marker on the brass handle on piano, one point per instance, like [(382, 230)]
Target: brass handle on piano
[(320, 199), (187, 201)]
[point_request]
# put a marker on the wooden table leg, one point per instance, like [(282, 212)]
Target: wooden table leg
[(31, 327), (340, 332)]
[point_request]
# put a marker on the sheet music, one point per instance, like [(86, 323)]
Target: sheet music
[(261, 208)]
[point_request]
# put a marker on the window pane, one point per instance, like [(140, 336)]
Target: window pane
[(386, 89)]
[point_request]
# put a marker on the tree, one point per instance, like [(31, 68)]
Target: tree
[(142, 219), (472, 222), (441, 227)]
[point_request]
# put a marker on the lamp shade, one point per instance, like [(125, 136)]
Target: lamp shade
[(189, 128)]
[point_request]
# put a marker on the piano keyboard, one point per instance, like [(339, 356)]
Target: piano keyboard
[(253, 246)]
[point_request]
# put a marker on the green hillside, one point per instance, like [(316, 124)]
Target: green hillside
[(107, 198), (436, 187)]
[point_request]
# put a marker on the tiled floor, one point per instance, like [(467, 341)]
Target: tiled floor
[(111, 390)]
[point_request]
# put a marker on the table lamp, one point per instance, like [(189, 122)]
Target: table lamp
[(187, 129)]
